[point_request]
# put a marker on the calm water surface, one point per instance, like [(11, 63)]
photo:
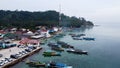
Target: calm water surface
[(104, 52)]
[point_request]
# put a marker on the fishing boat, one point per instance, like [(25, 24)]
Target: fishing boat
[(87, 38), (77, 38), (77, 35), (67, 46), (51, 53), (57, 48), (53, 45), (77, 51), (64, 45), (35, 63), (58, 65)]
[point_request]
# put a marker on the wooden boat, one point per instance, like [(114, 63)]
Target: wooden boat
[(78, 35), (77, 38), (51, 53), (67, 46), (53, 45), (64, 45), (57, 48), (87, 38), (76, 51), (35, 63)]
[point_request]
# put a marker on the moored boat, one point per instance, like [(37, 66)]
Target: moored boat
[(58, 65), (77, 51), (67, 46), (77, 38), (35, 63), (87, 38), (51, 53), (78, 35), (57, 48), (53, 45), (64, 45)]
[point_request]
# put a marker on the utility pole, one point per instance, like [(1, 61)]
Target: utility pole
[(59, 15)]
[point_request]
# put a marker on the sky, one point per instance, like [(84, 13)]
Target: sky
[(97, 11)]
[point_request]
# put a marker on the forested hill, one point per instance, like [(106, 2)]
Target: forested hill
[(31, 19)]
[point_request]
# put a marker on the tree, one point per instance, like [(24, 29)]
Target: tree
[(28, 19)]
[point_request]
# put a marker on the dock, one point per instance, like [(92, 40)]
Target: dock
[(15, 61)]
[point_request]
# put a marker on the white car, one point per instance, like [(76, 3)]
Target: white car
[(5, 61), (1, 63)]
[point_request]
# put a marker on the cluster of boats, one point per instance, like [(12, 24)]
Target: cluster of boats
[(81, 37), (47, 65), (62, 46), (56, 49)]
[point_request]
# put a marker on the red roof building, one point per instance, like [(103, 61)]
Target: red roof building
[(28, 41)]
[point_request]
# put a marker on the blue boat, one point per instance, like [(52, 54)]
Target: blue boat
[(87, 38), (77, 38), (57, 65)]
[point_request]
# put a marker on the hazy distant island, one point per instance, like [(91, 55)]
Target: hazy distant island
[(27, 19)]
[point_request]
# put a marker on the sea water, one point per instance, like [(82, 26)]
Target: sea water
[(104, 52)]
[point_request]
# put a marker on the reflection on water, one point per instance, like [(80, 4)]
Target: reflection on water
[(102, 53)]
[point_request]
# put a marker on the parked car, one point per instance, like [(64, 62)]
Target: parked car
[(4, 61), (28, 50), (21, 53), (14, 56), (1, 63), (32, 47), (21, 46), (9, 59), (1, 55), (24, 52)]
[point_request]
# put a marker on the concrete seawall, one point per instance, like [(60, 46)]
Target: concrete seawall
[(21, 58)]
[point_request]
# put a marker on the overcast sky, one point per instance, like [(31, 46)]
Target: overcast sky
[(98, 11)]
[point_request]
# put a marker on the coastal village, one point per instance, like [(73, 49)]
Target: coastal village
[(59, 33), (23, 35), (17, 44)]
